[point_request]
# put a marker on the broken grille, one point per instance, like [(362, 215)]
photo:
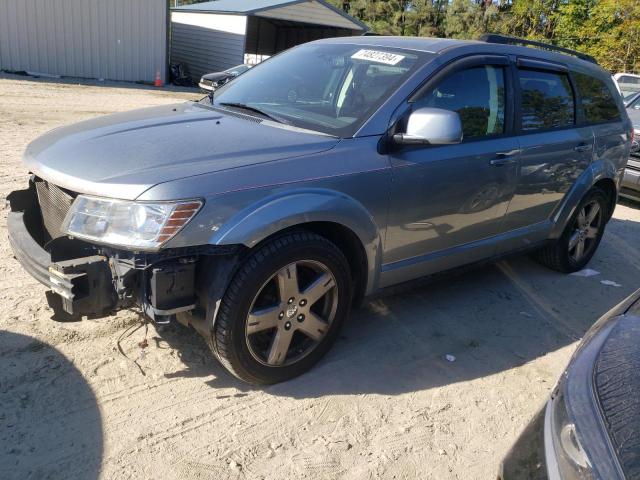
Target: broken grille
[(54, 205)]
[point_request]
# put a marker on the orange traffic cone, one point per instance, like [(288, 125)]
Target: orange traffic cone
[(158, 82)]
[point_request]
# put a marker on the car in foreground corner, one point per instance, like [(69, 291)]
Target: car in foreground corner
[(212, 81), (590, 427)]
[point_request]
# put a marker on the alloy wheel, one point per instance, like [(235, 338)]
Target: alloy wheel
[(585, 232), (291, 313)]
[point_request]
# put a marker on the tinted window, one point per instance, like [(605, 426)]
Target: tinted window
[(477, 94), (597, 100), (547, 100)]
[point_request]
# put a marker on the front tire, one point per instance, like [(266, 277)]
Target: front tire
[(581, 237), (283, 309)]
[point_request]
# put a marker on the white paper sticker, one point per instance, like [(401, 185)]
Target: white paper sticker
[(378, 56)]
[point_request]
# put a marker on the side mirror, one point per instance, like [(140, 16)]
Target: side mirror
[(431, 126)]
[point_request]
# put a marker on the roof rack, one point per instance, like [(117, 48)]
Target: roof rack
[(506, 40)]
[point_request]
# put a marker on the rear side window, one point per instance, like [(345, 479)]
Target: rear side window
[(547, 100), (597, 100), (476, 94)]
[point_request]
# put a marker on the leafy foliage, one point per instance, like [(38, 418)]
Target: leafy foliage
[(607, 29)]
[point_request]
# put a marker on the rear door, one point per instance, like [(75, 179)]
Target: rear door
[(554, 148)]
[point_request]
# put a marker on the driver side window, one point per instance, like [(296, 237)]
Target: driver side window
[(477, 94)]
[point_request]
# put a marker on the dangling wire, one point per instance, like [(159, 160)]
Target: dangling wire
[(130, 331)]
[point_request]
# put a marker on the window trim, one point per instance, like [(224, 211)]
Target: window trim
[(457, 65), (541, 67), (535, 64)]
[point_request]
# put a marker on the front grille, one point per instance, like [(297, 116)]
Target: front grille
[(54, 205)]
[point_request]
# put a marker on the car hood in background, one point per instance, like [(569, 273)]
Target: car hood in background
[(123, 155), (216, 76)]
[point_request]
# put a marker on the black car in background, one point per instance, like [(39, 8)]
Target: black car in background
[(590, 428), (211, 81)]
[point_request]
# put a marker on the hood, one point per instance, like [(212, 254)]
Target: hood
[(122, 155), (216, 76)]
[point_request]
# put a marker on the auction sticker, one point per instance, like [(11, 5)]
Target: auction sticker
[(378, 56)]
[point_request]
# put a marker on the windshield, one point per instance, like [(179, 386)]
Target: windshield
[(237, 70), (328, 88)]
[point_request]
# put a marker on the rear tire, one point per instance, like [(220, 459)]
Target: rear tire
[(283, 309), (581, 237)]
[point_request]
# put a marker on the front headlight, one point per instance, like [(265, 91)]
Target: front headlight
[(576, 441), (572, 460), (139, 225)]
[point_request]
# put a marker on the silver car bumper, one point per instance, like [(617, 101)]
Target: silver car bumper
[(631, 179), (206, 87)]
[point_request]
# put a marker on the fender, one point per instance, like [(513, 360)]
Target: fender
[(596, 171), (275, 213)]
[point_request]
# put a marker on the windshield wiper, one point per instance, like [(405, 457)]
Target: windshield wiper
[(250, 108)]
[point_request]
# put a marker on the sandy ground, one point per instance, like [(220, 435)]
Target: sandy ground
[(383, 404)]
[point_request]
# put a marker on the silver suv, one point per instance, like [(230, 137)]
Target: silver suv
[(324, 174)]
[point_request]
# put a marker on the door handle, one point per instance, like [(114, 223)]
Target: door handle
[(583, 147), (499, 162), (504, 158)]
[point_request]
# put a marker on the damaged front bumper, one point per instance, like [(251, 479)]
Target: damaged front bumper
[(80, 285), (94, 281)]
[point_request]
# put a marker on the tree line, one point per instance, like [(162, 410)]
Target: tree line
[(609, 30)]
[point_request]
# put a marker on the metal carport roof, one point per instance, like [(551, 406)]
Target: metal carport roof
[(262, 8)]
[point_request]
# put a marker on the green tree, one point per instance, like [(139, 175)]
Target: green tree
[(607, 29), (470, 19), (612, 34)]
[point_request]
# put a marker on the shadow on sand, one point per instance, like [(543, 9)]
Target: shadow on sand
[(49, 418)]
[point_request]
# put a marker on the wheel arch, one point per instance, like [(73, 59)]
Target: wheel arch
[(601, 174), (333, 215), (608, 185)]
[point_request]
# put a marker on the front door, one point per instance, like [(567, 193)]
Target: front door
[(447, 199)]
